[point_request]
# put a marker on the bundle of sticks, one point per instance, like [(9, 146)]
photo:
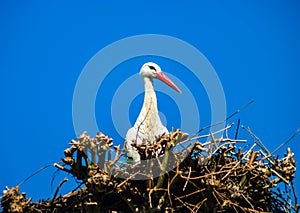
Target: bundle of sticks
[(176, 174)]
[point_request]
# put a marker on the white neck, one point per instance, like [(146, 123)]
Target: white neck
[(150, 101), (148, 121)]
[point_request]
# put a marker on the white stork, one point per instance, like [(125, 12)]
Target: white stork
[(148, 124)]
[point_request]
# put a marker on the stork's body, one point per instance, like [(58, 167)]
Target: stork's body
[(148, 124)]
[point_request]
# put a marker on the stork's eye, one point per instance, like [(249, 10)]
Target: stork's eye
[(151, 67)]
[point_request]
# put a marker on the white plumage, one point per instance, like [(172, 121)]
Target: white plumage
[(148, 124)]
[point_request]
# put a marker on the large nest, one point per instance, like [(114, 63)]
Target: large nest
[(215, 175)]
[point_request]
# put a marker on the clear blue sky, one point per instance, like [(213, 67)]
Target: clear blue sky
[(44, 45)]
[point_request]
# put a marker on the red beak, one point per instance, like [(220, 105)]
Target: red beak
[(161, 76)]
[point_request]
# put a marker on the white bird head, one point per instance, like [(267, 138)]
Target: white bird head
[(152, 70)]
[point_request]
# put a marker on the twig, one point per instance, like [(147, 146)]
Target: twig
[(126, 180), (57, 189), (187, 180), (184, 203), (207, 135), (248, 201), (198, 205), (213, 140), (256, 139), (238, 162), (295, 196), (237, 129), (190, 194), (286, 142), (61, 168), (282, 178), (36, 172), (221, 122)]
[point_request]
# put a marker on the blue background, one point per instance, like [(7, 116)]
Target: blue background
[(44, 45)]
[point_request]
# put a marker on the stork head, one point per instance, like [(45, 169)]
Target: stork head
[(152, 70)]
